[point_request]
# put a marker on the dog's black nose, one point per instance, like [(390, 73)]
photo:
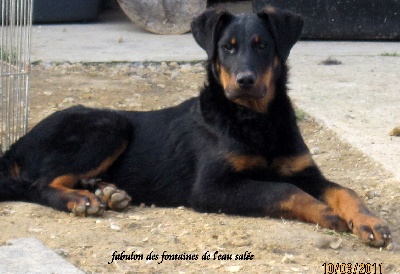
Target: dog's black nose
[(245, 79)]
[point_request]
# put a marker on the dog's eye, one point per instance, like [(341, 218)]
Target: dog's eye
[(228, 47), (262, 46)]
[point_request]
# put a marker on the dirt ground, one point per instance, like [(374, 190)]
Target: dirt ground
[(277, 246)]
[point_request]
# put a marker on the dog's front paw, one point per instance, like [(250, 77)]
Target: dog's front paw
[(371, 230), (115, 198)]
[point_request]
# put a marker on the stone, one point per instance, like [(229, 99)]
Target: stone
[(29, 254), (163, 16), (395, 131)]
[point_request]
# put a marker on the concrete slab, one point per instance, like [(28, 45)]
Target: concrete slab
[(109, 42), (29, 255), (358, 99), (114, 38)]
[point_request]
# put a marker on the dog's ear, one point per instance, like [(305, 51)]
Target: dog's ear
[(207, 27), (285, 27)]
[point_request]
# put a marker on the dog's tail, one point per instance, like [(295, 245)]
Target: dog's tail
[(11, 189)]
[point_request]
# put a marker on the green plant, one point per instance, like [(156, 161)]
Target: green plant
[(301, 115), (7, 56), (392, 54)]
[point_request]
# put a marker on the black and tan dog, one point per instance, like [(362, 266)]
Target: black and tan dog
[(234, 149)]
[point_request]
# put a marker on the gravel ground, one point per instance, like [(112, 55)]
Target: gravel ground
[(277, 246)]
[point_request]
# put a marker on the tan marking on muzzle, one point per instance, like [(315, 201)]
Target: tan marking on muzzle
[(261, 105)]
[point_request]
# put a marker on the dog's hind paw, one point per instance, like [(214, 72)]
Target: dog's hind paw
[(83, 203), (115, 198)]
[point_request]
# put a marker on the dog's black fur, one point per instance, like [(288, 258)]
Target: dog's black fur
[(234, 149)]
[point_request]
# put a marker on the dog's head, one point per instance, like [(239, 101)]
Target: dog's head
[(247, 50)]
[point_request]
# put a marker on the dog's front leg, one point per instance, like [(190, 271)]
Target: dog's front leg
[(218, 189), (346, 204), (362, 222)]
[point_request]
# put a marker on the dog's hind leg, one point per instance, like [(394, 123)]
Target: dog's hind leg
[(64, 192), (65, 149)]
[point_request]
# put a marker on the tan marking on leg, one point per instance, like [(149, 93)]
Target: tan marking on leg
[(345, 202), (304, 207), (105, 164), (64, 182), (288, 166)]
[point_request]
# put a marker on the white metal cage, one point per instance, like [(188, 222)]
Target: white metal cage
[(15, 40)]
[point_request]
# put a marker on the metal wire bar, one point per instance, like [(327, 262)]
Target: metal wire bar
[(15, 41)]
